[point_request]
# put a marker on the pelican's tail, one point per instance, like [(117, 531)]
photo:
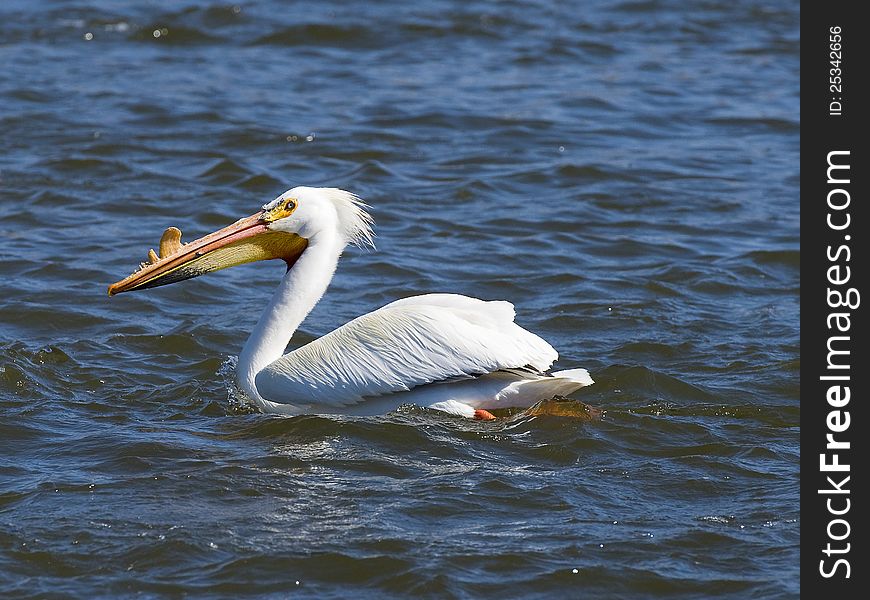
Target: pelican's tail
[(530, 391), (579, 376), (502, 389)]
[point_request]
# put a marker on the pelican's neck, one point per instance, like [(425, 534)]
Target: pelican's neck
[(299, 291)]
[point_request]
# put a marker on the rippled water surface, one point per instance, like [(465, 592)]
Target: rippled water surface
[(625, 172)]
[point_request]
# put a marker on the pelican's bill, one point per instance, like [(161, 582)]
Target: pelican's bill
[(246, 240)]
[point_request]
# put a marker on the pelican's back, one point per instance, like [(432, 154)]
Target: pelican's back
[(405, 344)]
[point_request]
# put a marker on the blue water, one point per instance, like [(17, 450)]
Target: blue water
[(626, 173)]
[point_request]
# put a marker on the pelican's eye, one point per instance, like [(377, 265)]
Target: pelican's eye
[(280, 209)]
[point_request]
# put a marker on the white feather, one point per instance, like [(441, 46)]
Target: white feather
[(406, 344), (502, 389), (354, 221)]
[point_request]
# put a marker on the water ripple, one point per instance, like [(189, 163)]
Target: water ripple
[(611, 171)]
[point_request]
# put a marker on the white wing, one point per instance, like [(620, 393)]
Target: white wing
[(405, 344)]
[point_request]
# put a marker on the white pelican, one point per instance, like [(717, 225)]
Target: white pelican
[(444, 351)]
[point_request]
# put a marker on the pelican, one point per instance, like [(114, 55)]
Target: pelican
[(447, 352)]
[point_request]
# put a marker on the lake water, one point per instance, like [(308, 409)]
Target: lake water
[(626, 173)]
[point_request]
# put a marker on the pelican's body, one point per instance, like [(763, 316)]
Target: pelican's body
[(449, 352)]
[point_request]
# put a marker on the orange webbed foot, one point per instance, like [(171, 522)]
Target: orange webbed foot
[(483, 415)]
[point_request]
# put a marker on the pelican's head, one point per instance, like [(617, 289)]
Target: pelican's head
[(283, 229), (312, 212)]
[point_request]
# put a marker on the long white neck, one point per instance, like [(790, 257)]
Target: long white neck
[(299, 291)]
